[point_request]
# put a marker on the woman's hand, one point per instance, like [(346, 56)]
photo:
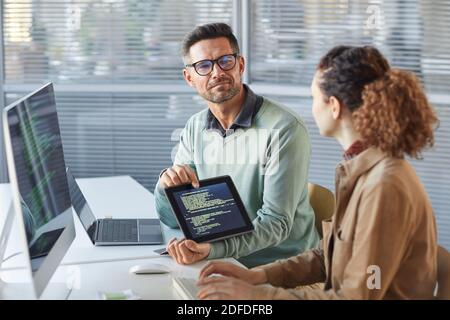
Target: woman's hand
[(226, 288), (253, 276)]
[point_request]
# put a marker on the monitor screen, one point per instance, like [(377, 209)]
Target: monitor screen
[(35, 155)]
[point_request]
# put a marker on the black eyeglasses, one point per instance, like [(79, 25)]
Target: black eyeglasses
[(205, 67)]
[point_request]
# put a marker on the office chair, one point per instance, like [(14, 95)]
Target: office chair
[(443, 274), (323, 203)]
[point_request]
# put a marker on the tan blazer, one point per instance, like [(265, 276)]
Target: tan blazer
[(380, 244)]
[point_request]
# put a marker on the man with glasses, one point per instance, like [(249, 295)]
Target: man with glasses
[(262, 145)]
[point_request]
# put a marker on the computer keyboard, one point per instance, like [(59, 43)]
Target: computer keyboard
[(119, 230), (186, 287)]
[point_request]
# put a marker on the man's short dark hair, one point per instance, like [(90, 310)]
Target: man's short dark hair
[(209, 31)]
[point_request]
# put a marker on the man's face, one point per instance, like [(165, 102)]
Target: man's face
[(218, 86)]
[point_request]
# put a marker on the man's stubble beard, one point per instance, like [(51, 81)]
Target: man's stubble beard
[(220, 98)]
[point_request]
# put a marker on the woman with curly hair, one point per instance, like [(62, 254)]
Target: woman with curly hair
[(381, 242)]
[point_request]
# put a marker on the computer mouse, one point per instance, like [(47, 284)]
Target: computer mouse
[(149, 268)]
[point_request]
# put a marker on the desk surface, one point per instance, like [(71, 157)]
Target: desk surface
[(118, 197), (146, 286)]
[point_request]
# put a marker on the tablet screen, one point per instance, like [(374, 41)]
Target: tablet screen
[(212, 211)]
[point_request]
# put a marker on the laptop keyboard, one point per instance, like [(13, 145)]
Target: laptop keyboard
[(119, 231)]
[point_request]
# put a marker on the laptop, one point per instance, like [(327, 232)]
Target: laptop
[(112, 232)]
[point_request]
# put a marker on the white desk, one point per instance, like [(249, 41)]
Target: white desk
[(118, 197), (95, 269)]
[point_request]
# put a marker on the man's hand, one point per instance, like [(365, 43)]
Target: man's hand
[(254, 276), (178, 174), (187, 251), (225, 288)]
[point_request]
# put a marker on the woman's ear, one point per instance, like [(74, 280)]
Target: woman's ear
[(336, 107)]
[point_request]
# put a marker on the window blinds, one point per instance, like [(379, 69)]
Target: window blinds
[(290, 36), (119, 88), (116, 67)]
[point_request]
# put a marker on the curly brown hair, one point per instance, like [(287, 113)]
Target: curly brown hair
[(389, 107), (395, 115)]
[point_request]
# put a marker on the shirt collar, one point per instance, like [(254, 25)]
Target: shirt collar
[(352, 169), (356, 148), (250, 108), (348, 173)]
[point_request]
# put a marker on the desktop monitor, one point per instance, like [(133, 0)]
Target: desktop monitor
[(37, 174)]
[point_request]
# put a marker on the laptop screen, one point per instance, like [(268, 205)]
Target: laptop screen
[(81, 206)]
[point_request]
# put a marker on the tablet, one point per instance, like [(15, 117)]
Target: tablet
[(212, 212)]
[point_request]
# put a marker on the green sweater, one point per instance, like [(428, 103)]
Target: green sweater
[(269, 164)]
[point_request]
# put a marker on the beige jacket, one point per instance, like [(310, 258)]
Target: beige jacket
[(380, 244)]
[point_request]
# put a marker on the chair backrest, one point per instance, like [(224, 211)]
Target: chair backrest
[(322, 201), (443, 276)]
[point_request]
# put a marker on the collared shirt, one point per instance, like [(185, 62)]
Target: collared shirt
[(383, 215), (250, 108), (356, 148), (268, 164)]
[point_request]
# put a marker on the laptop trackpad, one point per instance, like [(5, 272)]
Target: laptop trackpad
[(150, 233)]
